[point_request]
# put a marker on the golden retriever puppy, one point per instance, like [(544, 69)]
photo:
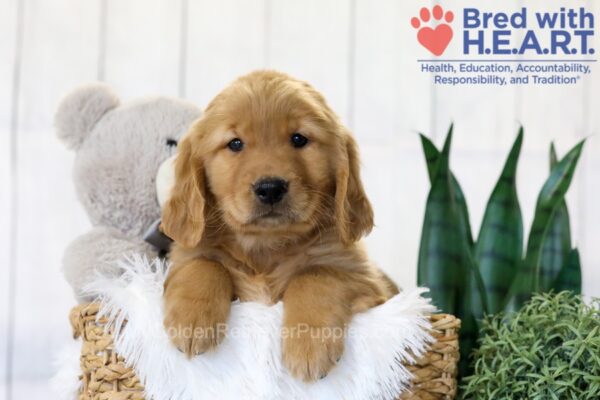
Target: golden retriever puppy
[(268, 205)]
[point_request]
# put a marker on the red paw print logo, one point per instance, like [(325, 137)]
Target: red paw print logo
[(435, 40)]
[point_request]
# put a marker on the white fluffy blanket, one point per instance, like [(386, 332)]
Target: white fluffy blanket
[(247, 365)]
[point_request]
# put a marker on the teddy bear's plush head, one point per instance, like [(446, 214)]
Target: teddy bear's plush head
[(119, 150)]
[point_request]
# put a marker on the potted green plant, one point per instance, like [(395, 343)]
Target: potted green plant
[(473, 277), (550, 349)]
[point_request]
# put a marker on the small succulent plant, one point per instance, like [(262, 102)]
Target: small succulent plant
[(550, 349)]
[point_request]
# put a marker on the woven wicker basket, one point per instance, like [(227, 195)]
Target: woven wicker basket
[(105, 375)]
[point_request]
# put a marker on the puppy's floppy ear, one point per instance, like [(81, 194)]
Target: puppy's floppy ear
[(183, 214), (353, 212)]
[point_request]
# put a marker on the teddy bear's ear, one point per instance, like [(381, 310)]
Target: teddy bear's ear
[(80, 110)]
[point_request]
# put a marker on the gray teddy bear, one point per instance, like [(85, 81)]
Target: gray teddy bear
[(119, 149)]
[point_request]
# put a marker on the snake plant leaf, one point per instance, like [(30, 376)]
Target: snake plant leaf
[(469, 334), (527, 279), (432, 155), (439, 265), (553, 156), (499, 247), (472, 305), (557, 244), (446, 263), (569, 277), (472, 301)]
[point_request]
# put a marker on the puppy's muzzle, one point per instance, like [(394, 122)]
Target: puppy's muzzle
[(270, 190)]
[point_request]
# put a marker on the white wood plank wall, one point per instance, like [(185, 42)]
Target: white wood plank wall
[(361, 54)]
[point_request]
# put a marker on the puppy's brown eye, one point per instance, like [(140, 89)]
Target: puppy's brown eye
[(236, 145), (298, 140)]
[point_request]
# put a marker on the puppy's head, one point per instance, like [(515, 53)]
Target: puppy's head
[(268, 157)]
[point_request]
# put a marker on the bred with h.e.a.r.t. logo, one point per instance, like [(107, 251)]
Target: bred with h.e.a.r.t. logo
[(434, 39), (565, 31)]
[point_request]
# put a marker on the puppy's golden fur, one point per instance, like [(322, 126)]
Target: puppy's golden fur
[(303, 250)]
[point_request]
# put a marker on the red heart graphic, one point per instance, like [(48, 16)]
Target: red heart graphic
[(435, 40)]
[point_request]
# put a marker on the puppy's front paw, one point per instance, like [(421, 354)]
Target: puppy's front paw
[(309, 353), (195, 325)]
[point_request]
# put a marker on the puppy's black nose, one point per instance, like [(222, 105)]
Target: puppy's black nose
[(270, 190)]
